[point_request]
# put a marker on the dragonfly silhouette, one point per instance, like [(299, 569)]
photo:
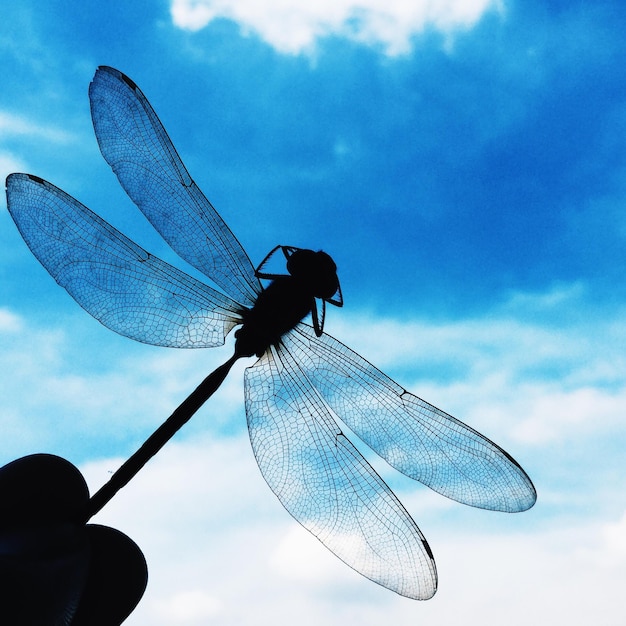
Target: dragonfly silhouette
[(303, 378)]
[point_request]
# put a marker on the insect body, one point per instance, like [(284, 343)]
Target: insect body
[(288, 300)]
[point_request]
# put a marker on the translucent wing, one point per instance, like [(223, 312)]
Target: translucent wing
[(413, 436), (112, 278), (135, 144), (323, 481)]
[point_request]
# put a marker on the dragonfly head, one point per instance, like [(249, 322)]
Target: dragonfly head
[(315, 269)]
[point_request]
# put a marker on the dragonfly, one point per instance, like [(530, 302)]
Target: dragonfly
[(303, 383)]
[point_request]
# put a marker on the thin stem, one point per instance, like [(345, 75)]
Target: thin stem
[(157, 440)]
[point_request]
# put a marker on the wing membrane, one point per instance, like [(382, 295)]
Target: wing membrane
[(411, 435), (112, 278), (323, 481), (137, 147)]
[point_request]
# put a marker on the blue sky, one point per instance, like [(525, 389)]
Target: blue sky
[(465, 165)]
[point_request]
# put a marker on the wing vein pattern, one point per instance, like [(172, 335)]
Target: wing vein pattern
[(326, 484), (135, 144), (412, 435), (115, 280)]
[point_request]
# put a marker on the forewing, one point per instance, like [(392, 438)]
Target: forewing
[(323, 481), (410, 434), (112, 278), (135, 144)]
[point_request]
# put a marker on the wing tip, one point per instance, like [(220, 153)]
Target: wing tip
[(15, 179), (517, 502), (530, 500), (107, 70), (528, 496)]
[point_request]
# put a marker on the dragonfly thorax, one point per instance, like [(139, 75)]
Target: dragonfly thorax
[(288, 299), (279, 307)]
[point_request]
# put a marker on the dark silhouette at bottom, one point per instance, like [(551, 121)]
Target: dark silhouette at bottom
[(53, 569)]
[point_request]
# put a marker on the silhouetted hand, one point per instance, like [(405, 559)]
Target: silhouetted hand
[(55, 570)]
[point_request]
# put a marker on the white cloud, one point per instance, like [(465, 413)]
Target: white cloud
[(614, 535), (10, 322), (556, 415), (297, 557), (62, 391), (188, 607), (294, 27), (9, 163), (12, 126), (17, 125)]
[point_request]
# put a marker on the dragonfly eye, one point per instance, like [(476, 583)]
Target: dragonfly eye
[(317, 270)]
